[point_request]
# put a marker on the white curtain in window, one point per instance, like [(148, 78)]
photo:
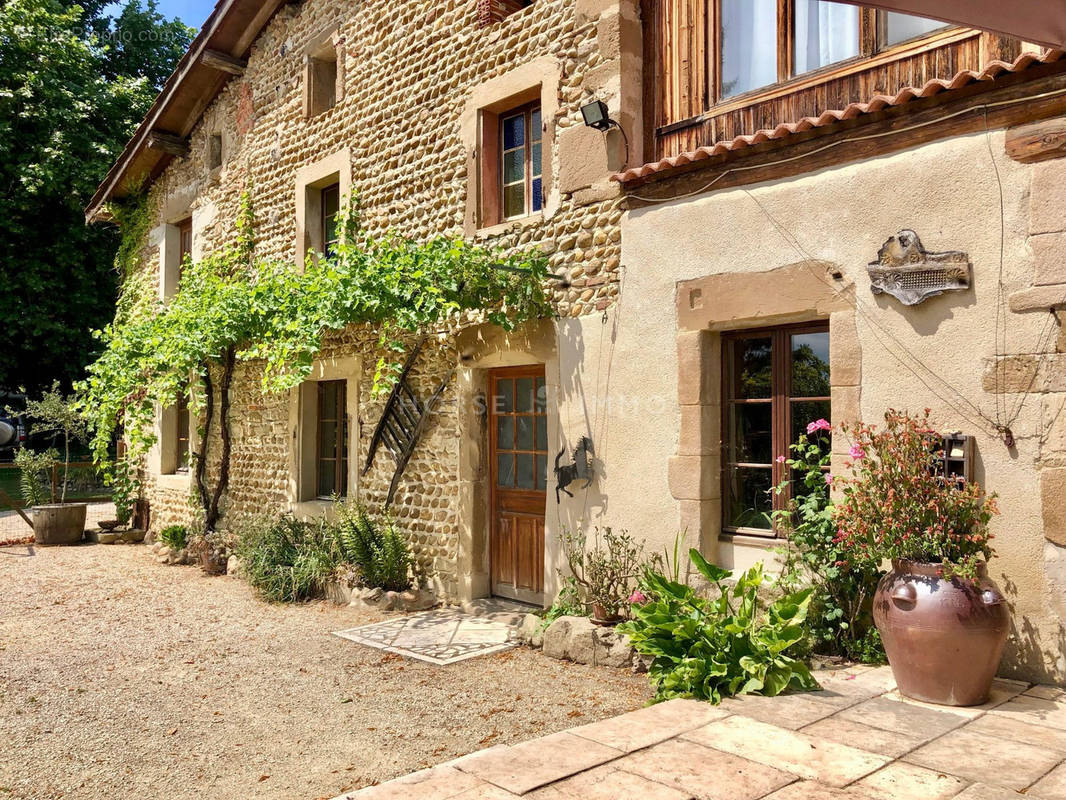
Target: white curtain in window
[(749, 45), (825, 34)]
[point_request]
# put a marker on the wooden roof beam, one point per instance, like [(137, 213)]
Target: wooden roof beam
[(223, 63), (168, 143)]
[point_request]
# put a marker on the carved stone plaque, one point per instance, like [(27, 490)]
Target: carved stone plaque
[(910, 274)]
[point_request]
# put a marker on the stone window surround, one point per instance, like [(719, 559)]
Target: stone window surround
[(791, 294), (303, 404), (479, 124), (327, 46), (166, 239), (483, 349), (163, 457), (310, 180)]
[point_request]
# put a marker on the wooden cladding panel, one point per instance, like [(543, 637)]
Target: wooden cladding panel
[(679, 80)]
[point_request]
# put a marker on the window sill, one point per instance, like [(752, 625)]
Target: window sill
[(505, 227), (750, 537), (313, 509), (174, 481)]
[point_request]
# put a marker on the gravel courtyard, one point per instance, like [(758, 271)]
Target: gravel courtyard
[(122, 678)]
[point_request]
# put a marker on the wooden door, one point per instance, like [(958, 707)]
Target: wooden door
[(518, 435)]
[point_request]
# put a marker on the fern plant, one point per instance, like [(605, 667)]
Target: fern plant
[(375, 547)]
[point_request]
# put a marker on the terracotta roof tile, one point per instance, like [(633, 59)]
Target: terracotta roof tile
[(875, 104)]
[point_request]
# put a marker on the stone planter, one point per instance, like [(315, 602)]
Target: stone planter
[(944, 638), (59, 524)]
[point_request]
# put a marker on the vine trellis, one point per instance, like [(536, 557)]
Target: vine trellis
[(233, 308)]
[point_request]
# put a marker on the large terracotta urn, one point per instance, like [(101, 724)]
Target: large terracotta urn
[(943, 637)]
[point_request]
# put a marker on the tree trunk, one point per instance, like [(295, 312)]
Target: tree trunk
[(229, 363), (201, 457)]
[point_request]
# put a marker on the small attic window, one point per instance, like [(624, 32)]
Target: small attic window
[(214, 151), (489, 12), (322, 73)]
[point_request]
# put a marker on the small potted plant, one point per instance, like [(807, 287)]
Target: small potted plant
[(56, 522), (943, 621), (607, 572), (213, 549)]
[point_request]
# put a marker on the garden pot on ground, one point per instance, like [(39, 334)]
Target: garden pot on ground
[(59, 524), (601, 617), (943, 637)]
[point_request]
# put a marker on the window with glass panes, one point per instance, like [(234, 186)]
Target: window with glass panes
[(521, 154), (183, 432), (775, 383), (763, 42), (331, 462), (521, 433), (331, 204)]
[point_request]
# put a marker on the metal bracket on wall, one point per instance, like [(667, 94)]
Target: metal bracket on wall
[(403, 420)]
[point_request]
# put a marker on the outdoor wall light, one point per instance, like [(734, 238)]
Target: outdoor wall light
[(596, 115)]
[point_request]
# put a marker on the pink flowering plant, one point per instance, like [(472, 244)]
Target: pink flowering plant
[(897, 503), (840, 622)]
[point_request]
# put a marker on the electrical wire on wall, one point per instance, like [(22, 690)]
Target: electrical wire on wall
[(1000, 424)]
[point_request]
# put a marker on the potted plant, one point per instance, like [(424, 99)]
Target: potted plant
[(57, 522), (213, 549), (942, 620), (606, 572)]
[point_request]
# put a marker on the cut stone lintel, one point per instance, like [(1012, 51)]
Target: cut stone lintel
[(1039, 298)]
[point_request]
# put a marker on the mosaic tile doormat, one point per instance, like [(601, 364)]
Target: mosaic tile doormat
[(443, 636)]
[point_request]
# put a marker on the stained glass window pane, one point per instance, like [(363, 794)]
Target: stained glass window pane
[(514, 166), (514, 132), (514, 200), (538, 195)]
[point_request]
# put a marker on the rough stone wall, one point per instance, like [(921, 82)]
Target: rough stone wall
[(408, 70)]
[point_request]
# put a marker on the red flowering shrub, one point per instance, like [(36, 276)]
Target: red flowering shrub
[(897, 505)]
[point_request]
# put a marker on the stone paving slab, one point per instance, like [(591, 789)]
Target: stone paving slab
[(651, 725), (855, 740), (986, 759), (442, 636), (530, 765), (803, 755), (703, 772)]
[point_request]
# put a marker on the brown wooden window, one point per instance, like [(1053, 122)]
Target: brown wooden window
[(184, 423), (331, 460), (521, 179), (184, 244), (775, 382), (763, 42), (331, 204), (489, 12)]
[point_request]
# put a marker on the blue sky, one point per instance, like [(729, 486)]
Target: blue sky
[(191, 12)]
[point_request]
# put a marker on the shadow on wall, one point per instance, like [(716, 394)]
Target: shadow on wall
[(584, 410), (927, 317), (1035, 657)]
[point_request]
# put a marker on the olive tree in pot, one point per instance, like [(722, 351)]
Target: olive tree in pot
[(607, 571), (57, 522), (943, 621)]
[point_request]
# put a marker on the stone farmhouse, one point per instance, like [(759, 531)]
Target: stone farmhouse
[(767, 188)]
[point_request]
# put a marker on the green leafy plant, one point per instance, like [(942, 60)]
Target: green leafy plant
[(567, 604), (897, 504), (175, 537), (35, 475), (375, 547), (712, 648), (840, 620), (232, 307), (285, 560), (61, 415), (608, 570)]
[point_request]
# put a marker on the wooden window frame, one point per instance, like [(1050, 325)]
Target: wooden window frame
[(781, 401), (325, 217), (184, 245), (872, 51), (526, 111), (183, 435), (340, 456)]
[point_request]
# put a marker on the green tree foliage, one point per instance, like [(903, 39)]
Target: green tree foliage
[(73, 86)]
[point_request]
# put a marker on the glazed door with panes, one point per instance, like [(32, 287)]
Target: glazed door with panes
[(519, 469), (776, 384)]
